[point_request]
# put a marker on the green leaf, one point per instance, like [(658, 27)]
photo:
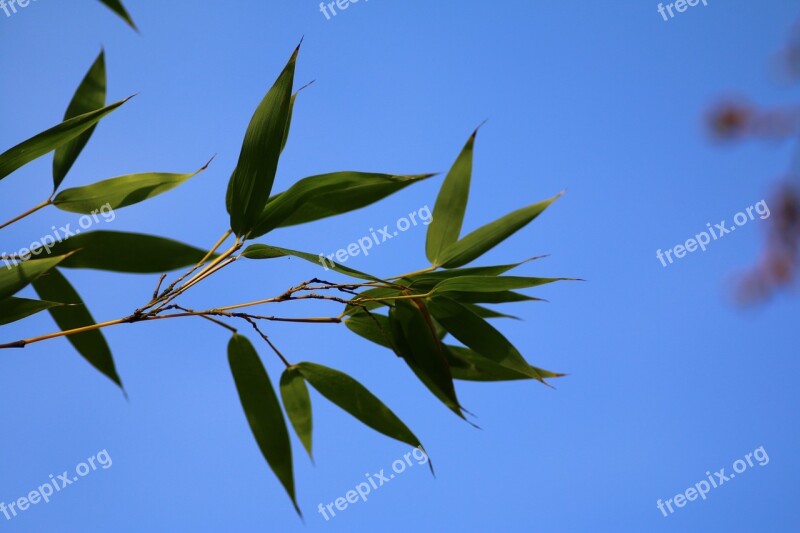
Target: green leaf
[(262, 251), (415, 340), (117, 7), (376, 293), (122, 191), (49, 140), (373, 327), (478, 334), (297, 403), (91, 344), (485, 312), (451, 205), (263, 411), (127, 252), (327, 195), (14, 309), (90, 96), (492, 297), (428, 280), (473, 284), (251, 182), (16, 277), (354, 398), (469, 365), (487, 237)]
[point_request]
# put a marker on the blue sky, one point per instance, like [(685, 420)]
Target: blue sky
[(667, 380)]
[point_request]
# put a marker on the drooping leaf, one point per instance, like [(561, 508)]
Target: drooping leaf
[(451, 205), (262, 251), (487, 237), (15, 277), (14, 309), (477, 334), (126, 252), (117, 7), (90, 96), (373, 327), (49, 140), (415, 339), (263, 411), (492, 297), (122, 191), (469, 365), (91, 344), (485, 312), (251, 182), (354, 398), (472, 284), (297, 403), (327, 195)]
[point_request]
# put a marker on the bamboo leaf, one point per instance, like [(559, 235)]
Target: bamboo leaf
[(451, 205), (13, 309), (472, 284), (415, 340), (263, 411), (90, 96), (122, 191), (354, 398), (327, 195), (117, 7), (487, 237), (477, 334), (91, 344), (297, 403), (126, 252), (47, 141), (469, 365), (251, 182), (17, 276), (262, 251)]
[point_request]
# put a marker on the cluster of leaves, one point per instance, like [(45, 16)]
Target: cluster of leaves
[(413, 315)]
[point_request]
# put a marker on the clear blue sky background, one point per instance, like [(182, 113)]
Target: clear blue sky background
[(667, 378)]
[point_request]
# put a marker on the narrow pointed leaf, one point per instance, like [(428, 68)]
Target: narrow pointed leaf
[(469, 365), (92, 344), (117, 251), (297, 403), (477, 334), (117, 7), (428, 280), (263, 411), (492, 297), (262, 251), (14, 309), (487, 237), (122, 191), (251, 182), (451, 205), (354, 398), (90, 96), (373, 327), (327, 195), (16, 277), (490, 283), (415, 340), (485, 312), (49, 140)]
